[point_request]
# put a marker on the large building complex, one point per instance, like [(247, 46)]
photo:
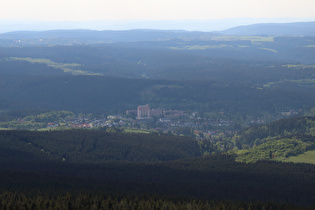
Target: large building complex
[(143, 111)]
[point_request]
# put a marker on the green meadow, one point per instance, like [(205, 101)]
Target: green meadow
[(72, 68), (307, 157)]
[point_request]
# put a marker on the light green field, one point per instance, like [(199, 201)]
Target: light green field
[(307, 157), (199, 47), (298, 66), (299, 82), (250, 38), (66, 67), (272, 50), (137, 131)]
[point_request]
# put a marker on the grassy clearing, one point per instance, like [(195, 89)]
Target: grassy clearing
[(255, 40), (250, 38), (308, 82), (131, 130), (72, 68), (307, 157), (298, 66), (200, 47), (272, 50), (304, 81)]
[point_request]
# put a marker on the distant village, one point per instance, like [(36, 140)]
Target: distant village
[(145, 112), (145, 119), (157, 120), (163, 121)]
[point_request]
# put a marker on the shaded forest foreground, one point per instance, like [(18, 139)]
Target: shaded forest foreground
[(178, 179)]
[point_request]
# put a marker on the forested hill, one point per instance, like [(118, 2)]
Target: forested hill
[(280, 43), (266, 29), (95, 146), (102, 94), (119, 164), (280, 128), (274, 29), (278, 140), (27, 168), (107, 36)]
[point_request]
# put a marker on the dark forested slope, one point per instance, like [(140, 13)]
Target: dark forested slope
[(102, 94), (96, 161), (95, 146), (211, 178)]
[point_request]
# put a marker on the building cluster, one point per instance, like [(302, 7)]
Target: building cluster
[(291, 112), (145, 112), (158, 119)]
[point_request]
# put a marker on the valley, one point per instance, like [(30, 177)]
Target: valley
[(100, 118)]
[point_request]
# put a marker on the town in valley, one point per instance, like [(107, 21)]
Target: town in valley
[(143, 119)]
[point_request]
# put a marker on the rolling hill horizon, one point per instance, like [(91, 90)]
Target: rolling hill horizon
[(274, 29), (189, 25), (305, 28)]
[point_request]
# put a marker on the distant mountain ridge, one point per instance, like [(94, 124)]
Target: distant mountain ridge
[(189, 25), (262, 29), (274, 29), (104, 36)]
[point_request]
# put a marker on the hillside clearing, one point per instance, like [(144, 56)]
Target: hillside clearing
[(307, 157)]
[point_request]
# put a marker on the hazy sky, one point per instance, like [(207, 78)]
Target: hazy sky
[(80, 10)]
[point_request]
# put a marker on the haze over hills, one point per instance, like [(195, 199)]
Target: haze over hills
[(104, 36), (262, 29), (274, 29), (248, 63), (189, 25), (284, 43)]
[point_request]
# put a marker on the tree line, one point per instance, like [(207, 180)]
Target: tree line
[(165, 166)]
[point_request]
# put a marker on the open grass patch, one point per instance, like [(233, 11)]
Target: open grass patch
[(271, 50), (298, 66), (200, 47), (307, 157), (72, 68), (278, 150), (132, 130), (242, 38)]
